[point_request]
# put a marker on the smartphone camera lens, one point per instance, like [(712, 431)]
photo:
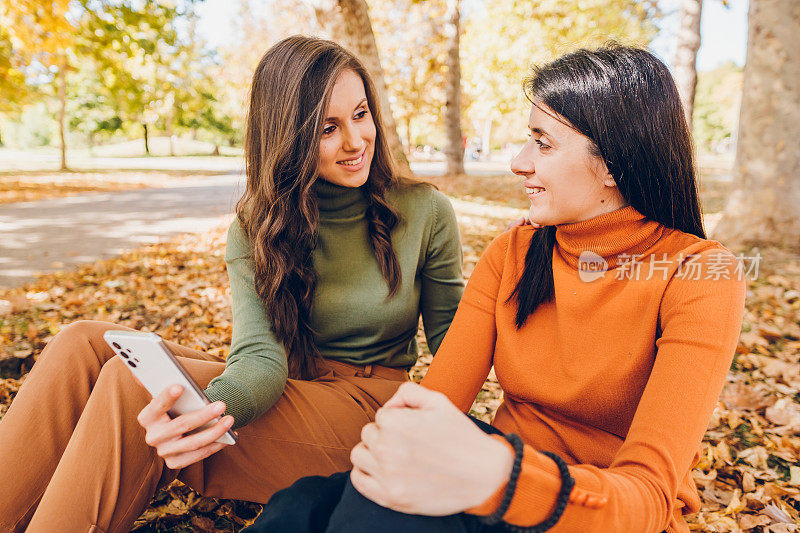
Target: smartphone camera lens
[(115, 345), (123, 354), (133, 365)]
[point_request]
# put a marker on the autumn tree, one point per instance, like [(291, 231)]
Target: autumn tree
[(454, 148), (349, 23), (13, 87), (764, 206), (136, 48), (46, 33), (684, 64)]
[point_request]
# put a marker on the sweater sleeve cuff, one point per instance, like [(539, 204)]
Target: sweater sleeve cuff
[(238, 400), (536, 494)]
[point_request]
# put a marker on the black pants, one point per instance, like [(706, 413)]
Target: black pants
[(332, 505)]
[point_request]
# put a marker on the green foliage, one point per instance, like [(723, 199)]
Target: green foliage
[(503, 38), (88, 105), (153, 73), (716, 107), (126, 62), (133, 48)]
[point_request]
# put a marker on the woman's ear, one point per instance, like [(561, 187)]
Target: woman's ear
[(608, 180)]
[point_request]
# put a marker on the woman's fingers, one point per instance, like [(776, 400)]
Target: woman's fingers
[(369, 434), (363, 459), (156, 410), (167, 435), (522, 221), (175, 428), (196, 441), (514, 223), (191, 421), (368, 486), (182, 460)]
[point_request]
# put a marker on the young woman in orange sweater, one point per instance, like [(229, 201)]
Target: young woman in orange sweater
[(611, 328)]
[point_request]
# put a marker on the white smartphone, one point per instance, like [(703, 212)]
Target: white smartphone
[(149, 358)]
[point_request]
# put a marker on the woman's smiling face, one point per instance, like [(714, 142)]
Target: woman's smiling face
[(565, 182), (348, 134)]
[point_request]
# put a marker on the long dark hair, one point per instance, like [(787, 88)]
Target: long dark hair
[(290, 92), (625, 101)]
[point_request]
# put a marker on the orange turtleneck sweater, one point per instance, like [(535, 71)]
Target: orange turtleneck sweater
[(618, 375)]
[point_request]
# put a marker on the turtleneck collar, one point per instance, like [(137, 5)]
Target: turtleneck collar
[(339, 203), (622, 231)]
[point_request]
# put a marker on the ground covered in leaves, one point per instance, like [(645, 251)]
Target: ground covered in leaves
[(749, 476)]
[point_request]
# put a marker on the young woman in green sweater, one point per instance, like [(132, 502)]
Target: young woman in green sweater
[(332, 259)]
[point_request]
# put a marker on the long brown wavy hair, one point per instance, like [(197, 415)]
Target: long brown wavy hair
[(289, 95)]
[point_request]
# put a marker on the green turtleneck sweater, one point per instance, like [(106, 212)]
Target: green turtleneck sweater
[(352, 320)]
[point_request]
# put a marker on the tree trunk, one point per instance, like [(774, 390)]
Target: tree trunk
[(454, 143), (146, 142), (349, 24), (62, 111), (764, 206), (684, 64)]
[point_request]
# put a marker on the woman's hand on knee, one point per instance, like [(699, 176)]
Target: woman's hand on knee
[(424, 456), (169, 435)]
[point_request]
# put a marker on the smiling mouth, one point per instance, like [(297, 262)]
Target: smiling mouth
[(534, 190), (353, 162)]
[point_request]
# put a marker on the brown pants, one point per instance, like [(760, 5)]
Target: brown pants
[(73, 457)]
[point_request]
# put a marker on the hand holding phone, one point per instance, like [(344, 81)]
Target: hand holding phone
[(182, 441), (181, 423)]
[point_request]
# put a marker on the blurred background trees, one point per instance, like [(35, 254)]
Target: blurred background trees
[(105, 67), (86, 73), (122, 69)]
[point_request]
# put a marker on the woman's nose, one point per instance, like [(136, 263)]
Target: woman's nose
[(522, 164), (352, 141)]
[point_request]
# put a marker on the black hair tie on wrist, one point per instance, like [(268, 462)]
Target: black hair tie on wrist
[(567, 482), (497, 516)]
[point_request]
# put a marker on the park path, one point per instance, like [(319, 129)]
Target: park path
[(59, 233)]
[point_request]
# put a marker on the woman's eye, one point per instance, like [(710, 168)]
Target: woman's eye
[(327, 130), (541, 144), (361, 114)]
